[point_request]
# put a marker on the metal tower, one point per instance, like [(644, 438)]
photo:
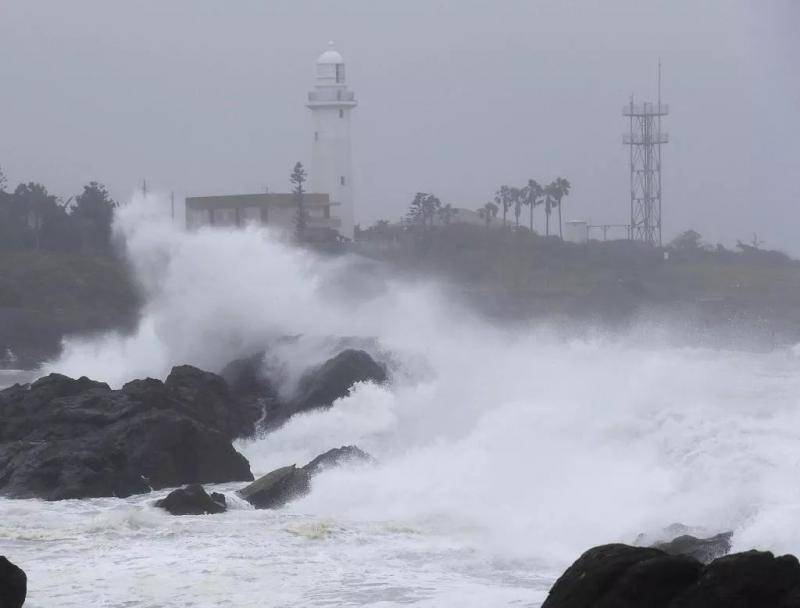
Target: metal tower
[(645, 139)]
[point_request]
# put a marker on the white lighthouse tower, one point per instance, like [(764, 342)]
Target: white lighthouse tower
[(331, 168)]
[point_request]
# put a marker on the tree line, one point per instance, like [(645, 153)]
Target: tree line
[(426, 208), (33, 219), (531, 195)]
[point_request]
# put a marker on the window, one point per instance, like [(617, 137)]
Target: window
[(339, 73), (341, 113), (341, 180), (316, 135), (327, 212)]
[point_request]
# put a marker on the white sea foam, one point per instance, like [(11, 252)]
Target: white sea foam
[(501, 452)]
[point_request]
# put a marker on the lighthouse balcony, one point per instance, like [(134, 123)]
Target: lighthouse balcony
[(331, 96)]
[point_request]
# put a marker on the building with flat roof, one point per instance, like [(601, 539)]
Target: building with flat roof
[(278, 210)]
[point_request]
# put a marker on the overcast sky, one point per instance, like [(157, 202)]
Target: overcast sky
[(455, 97)]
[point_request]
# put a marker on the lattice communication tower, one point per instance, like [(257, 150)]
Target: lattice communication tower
[(645, 139)]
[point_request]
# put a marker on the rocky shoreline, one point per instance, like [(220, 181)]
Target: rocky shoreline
[(622, 576), (64, 438)]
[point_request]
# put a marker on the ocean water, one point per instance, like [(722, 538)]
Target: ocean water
[(502, 452)]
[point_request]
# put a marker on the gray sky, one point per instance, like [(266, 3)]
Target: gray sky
[(456, 97)]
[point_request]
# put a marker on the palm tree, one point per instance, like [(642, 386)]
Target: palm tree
[(560, 190), (532, 193), (488, 212), (549, 203), (563, 190), (518, 201), (503, 199)]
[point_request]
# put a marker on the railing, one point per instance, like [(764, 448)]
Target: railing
[(331, 95)]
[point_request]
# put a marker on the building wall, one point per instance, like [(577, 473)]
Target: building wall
[(331, 163), (277, 210)]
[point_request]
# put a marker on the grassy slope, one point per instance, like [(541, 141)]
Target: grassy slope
[(44, 296), (520, 275)]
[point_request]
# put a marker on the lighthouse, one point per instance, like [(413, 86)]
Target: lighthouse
[(331, 170)]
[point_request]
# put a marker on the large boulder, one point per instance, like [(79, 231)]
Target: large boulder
[(336, 457), (620, 576), (748, 580), (322, 385), (13, 584), (64, 438), (702, 549), (204, 396), (247, 376), (276, 488), (594, 579), (193, 500), (282, 485)]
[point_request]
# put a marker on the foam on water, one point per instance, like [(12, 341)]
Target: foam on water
[(502, 453)]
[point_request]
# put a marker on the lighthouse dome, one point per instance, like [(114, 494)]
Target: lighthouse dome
[(331, 56)]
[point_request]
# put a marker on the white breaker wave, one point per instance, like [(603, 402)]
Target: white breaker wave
[(502, 452)]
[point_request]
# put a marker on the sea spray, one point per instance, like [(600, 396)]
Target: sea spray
[(492, 443)]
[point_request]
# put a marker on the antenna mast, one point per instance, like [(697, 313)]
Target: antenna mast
[(645, 139)]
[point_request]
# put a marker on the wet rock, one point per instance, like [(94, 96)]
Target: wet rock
[(282, 485), (13, 584), (321, 386), (336, 457), (593, 579), (247, 377), (64, 438), (620, 576), (193, 500), (702, 549), (210, 398), (277, 488), (751, 579)]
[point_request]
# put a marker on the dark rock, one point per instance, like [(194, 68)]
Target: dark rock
[(753, 579), (280, 486), (620, 576), (246, 377), (63, 438), (321, 386), (703, 549), (202, 395), (336, 457), (277, 488), (590, 579), (13, 584), (210, 398), (653, 582), (193, 500)]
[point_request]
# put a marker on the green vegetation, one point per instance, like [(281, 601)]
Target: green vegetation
[(58, 274), (33, 219), (297, 179), (44, 296), (519, 274), (530, 195)]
